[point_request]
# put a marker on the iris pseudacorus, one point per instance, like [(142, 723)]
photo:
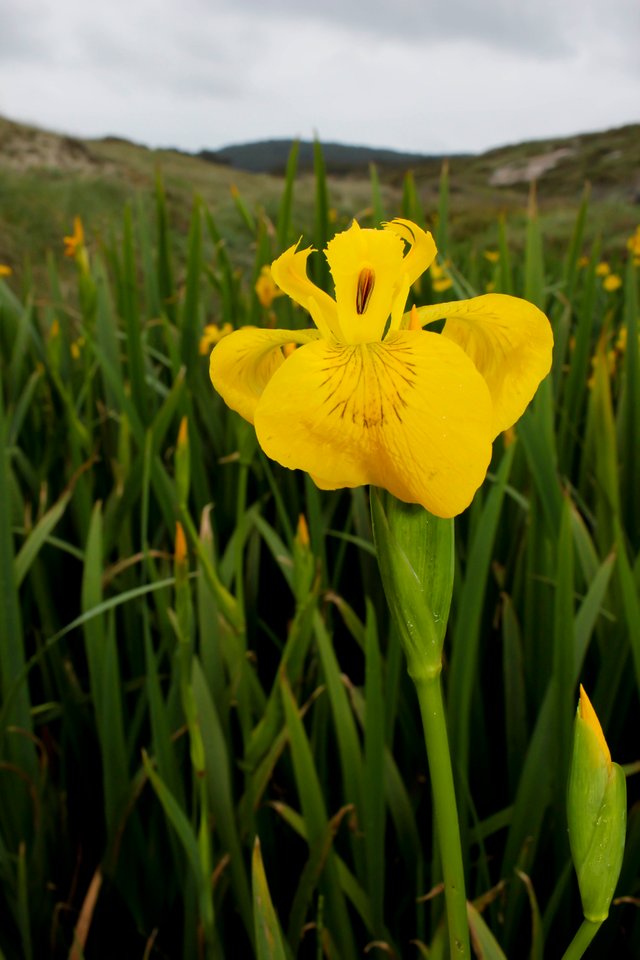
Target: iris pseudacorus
[(368, 396)]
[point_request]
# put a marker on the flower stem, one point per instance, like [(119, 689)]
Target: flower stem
[(582, 939), (435, 734)]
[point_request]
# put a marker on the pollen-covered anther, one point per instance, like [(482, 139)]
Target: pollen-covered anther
[(366, 281)]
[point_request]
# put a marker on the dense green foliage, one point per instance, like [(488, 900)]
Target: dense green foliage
[(162, 711)]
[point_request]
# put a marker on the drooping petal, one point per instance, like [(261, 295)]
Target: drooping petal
[(290, 273), (366, 266), (509, 340), (411, 414), (242, 364)]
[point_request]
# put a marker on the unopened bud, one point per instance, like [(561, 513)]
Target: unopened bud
[(596, 812)]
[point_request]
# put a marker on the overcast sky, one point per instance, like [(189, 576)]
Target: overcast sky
[(423, 75)]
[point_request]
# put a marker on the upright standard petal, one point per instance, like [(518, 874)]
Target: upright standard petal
[(290, 273), (422, 248), (509, 340), (410, 414), (242, 364), (366, 266)]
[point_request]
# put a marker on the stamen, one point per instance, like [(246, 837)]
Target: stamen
[(366, 282)]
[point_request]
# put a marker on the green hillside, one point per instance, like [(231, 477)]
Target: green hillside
[(46, 179)]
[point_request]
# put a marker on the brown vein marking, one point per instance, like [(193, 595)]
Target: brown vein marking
[(368, 382), (364, 289)]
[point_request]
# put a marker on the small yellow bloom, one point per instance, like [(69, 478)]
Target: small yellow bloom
[(612, 282), (76, 240), (492, 256), (633, 243), (367, 398), (490, 287), (265, 288), (213, 334), (54, 331), (603, 269), (5, 270), (621, 340), (440, 279), (583, 262), (76, 348)]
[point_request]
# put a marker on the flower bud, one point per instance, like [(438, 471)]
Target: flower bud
[(183, 462), (596, 812)]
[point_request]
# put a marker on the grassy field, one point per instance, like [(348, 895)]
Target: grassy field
[(184, 671)]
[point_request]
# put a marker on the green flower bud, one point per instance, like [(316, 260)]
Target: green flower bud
[(415, 556), (597, 813), (183, 462), (304, 562)]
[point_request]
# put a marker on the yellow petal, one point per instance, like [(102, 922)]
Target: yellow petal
[(410, 414), (589, 716), (422, 248), (509, 340), (366, 266), (290, 273), (242, 364)]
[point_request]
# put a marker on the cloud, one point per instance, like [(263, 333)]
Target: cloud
[(24, 34), (412, 74)]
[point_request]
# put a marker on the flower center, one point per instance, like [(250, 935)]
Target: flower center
[(366, 281)]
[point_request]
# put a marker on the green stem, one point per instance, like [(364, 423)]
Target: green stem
[(582, 939), (444, 798)]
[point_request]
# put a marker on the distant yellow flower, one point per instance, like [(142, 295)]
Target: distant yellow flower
[(583, 262), (440, 280), (603, 269), (76, 240), (213, 334), (265, 288), (621, 340), (633, 244), (5, 270), (612, 282), (492, 256), (490, 287), (368, 398), (76, 348)]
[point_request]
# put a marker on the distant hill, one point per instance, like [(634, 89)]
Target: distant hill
[(47, 178), (270, 156)]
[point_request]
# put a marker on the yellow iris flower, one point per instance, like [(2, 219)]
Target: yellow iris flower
[(76, 240), (371, 398), (213, 334), (265, 288), (612, 282)]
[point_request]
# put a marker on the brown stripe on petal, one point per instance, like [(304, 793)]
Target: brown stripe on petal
[(366, 282)]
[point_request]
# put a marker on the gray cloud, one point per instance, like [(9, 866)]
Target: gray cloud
[(24, 33), (413, 74), (540, 29)]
